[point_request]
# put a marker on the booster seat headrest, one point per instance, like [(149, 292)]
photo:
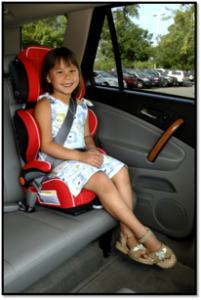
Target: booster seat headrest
[(26, 74)]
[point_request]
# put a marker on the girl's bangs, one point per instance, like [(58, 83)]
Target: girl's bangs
[(68, 60)]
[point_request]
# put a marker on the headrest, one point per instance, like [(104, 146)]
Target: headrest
[(26, 71), (7, 60), (26, 74)]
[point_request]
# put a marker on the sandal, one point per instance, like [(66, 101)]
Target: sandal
[(135, 252), (158, 257)]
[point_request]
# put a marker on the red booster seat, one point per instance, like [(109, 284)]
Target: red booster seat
[(25, 73)]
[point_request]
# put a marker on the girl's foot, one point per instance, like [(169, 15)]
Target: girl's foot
[(134, 250), (131, 242), (160, 254)]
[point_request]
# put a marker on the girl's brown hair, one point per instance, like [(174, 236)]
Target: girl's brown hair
[(49, 62)]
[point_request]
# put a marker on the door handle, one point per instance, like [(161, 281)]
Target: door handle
[(163, 139), (145, 112)]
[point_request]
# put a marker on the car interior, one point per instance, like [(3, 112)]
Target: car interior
[(49, 251)]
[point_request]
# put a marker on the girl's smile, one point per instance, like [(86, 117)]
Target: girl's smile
[(64, 79)]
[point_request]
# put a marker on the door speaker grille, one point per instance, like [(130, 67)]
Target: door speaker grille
[(170, 214)]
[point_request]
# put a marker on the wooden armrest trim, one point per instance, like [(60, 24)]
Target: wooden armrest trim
[(164, 138)]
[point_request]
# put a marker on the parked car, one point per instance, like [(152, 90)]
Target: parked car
[(49, 252), (167, 80), (182, 76), (157, 78), (191, 75), (106, 78), (131, 80), (144, 81), (172, 81)]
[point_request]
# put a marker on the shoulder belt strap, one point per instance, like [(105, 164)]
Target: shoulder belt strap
[(63, 131), (60, 139)]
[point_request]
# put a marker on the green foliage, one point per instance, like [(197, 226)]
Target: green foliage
[(49, 32), (176, 50), (134, 42)]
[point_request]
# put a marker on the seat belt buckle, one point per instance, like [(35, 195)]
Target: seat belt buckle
[(31, 197)]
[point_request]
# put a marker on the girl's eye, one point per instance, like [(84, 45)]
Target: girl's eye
[(60, 72), (72, 71)]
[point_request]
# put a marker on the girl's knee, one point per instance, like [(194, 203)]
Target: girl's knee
[(100, 183), (122, 175)]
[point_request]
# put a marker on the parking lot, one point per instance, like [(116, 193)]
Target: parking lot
[(188, 90)]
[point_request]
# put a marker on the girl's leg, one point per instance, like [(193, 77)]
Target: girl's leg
[(113, 202), (121, 181)]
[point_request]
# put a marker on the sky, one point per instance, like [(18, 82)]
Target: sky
[(149, 22)]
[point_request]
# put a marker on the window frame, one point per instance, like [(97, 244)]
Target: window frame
[(89, 56)]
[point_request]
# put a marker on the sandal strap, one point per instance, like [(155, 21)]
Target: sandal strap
[(161, 253), (129, 235), (124, 237), (145, 237)]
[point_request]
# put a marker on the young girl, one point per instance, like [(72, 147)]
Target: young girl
[(107, 177)]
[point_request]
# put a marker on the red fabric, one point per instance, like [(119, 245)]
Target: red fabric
[(81, 95), (101, 150), (33, 134), (32, 58), (93, 123), (65, 198), (32, 76), (37, 164)]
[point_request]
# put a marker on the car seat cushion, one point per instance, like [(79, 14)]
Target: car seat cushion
[(54, 192), (28, 135)]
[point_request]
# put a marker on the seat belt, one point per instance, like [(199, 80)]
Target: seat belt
[(60, 139), (63, 132)]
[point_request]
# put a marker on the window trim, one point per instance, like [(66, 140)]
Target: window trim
[(115, 48)]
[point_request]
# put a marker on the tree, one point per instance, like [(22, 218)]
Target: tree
[(134, 42), (176, 50), (49, 32)]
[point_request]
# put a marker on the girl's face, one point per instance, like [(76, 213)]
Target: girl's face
[(64, 79)]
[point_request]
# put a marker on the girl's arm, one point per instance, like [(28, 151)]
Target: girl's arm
[(42, 114)]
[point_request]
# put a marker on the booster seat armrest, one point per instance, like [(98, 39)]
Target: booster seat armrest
[(33, 170), (101, 150)]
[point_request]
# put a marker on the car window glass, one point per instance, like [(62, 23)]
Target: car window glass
[(105, 60), (151, 39), (48, 32)]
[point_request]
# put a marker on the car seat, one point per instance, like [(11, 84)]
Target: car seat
[(25, 74)]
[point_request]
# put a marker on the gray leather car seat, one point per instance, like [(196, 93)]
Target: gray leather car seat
[(36, 243)]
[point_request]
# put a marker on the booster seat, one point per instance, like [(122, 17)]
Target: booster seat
[(25, 73)]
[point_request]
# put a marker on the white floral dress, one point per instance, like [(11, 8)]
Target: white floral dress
[(74, 173)]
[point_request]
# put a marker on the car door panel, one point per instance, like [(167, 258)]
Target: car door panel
[(133, 102), (164, 188), (130, 137)]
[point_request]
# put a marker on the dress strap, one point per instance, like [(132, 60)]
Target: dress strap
[(87, 102)]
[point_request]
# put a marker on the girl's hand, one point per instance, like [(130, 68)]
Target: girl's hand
[(92, 157)]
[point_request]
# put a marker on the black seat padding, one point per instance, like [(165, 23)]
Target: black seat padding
[(36, 243)]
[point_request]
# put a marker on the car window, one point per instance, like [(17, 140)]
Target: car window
[(143, 43), (105, 60), (48, 32)]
